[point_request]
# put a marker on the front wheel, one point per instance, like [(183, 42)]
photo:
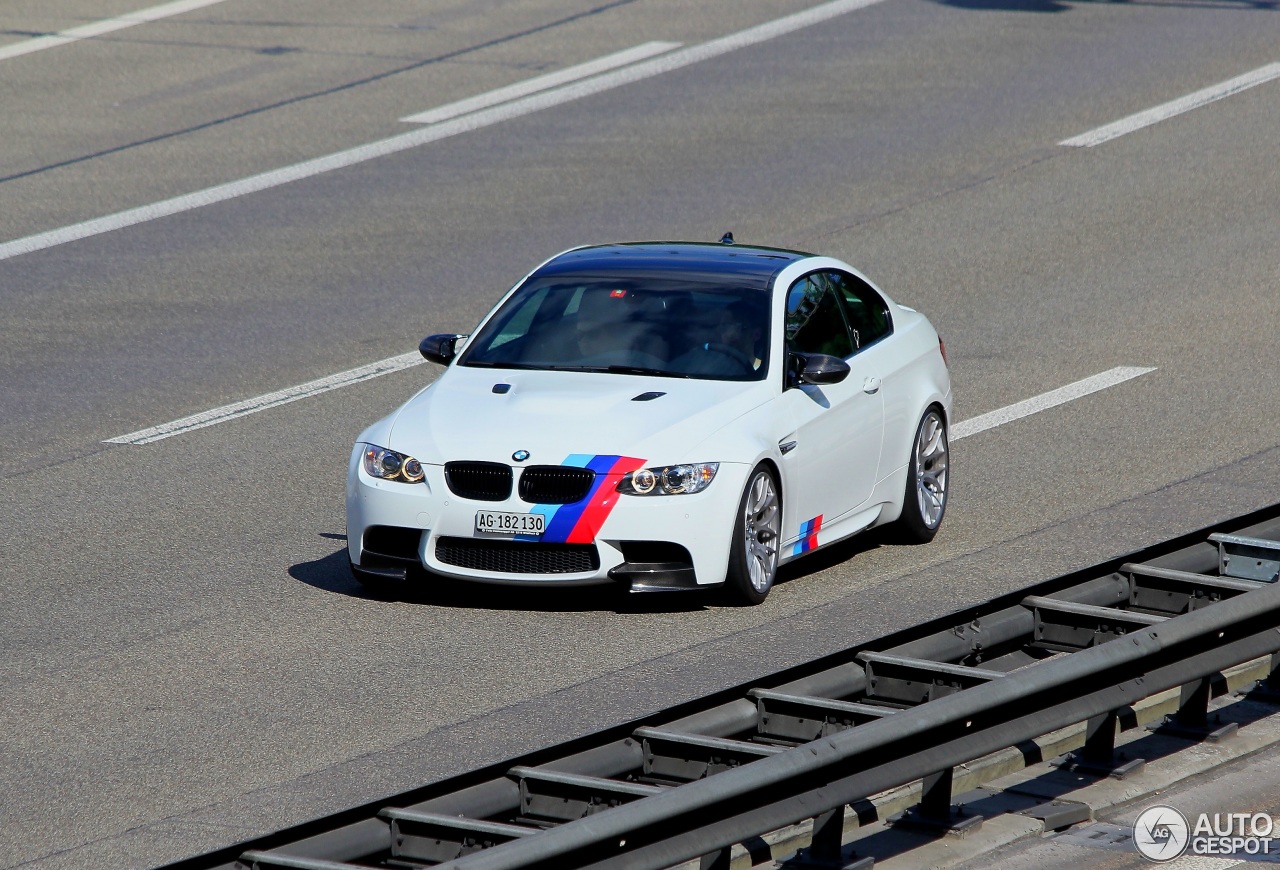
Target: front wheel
[(753, 558), (925, 501)]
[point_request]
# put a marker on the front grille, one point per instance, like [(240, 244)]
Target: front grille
[(515, 557), (481, 481), (555, 484)]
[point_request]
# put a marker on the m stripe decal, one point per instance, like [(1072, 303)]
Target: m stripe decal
[(579, 523), (808, 536)]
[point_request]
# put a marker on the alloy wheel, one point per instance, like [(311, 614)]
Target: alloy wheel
[(931, 469)]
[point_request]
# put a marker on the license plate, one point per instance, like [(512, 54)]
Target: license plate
[(496, 523)]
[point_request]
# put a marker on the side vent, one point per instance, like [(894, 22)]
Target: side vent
[(647, 397)]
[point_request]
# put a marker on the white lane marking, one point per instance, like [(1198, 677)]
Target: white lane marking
[(1174, 107), (1044, 401), (464, 124), (404, 361), (541, 83), (270, 400), (98, 28)]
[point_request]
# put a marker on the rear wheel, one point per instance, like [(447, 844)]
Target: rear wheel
[(753, 558), (925, 500)]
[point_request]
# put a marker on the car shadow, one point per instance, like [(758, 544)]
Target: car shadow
[(333, 574), (838, 553)]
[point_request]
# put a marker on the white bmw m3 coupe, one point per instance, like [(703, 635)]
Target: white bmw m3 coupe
[(662, 416)]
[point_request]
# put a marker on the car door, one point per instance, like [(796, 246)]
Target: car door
[(832, 456)]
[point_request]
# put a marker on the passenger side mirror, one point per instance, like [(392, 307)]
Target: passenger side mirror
[(815, 368), (440, 348)]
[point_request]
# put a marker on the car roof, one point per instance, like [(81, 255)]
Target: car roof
[(748, 265)]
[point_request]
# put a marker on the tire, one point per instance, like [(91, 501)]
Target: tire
[(924, 503), (753, 556)]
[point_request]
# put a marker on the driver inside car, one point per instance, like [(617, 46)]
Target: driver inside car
[(740, 333)]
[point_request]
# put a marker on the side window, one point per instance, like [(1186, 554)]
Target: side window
[(866, 310), (814, 321)]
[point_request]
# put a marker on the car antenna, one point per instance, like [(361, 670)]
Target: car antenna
[(727, 239)]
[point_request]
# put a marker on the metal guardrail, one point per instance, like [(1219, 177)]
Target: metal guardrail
[(1079, 649)]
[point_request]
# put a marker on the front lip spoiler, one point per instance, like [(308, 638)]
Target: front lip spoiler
[(639, 576), (381, 567), (658, 576)]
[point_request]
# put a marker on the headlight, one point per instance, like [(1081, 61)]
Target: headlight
[(389, 465), (669, 479)]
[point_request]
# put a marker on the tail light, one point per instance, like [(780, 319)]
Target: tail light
[(942, 349)]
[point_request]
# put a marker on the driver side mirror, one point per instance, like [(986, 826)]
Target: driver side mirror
[(815, 368), (440, 348)]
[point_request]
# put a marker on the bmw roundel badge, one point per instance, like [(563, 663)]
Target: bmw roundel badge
[(520, 455)]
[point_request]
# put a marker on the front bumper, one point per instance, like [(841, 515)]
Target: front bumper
[(423, 532)]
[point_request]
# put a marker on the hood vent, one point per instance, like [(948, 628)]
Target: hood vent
[(501, 388), (647, 397)]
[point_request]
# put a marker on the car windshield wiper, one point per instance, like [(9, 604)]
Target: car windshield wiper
[(500, 364), (641, 370), (553, 367), (618, 370)]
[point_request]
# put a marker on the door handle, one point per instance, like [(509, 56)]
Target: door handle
[(871, 386)]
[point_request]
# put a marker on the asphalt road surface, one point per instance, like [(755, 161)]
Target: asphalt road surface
[(185, 661)]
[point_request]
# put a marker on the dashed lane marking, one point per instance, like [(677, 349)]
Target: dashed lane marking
[(1045, 401), (99, 28), (534, 102), (1174, 107)]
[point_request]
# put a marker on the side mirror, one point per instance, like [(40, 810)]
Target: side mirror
[(815, 368), (439, 348)]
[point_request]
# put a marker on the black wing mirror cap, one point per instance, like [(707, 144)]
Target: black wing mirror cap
[(440, 348), (816, 368)]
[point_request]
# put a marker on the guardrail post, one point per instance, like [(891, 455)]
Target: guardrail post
[(824, 850), (1192, 719), (828, 832), (1098, 756), (935, 794), (934, 812), (1100, 738), (1193, 705)]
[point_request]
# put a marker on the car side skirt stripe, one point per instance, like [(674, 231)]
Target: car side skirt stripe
[(808, 536)]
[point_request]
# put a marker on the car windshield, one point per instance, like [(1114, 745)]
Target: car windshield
[(628, 325)]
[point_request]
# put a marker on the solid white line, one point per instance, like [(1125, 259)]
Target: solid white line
[(398, 363), (1044, 401), (98, 28), (270, 400), (1174, 107), (541, 83), (435, 132)]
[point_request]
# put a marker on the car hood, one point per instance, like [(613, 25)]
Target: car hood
[(466, 415)]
